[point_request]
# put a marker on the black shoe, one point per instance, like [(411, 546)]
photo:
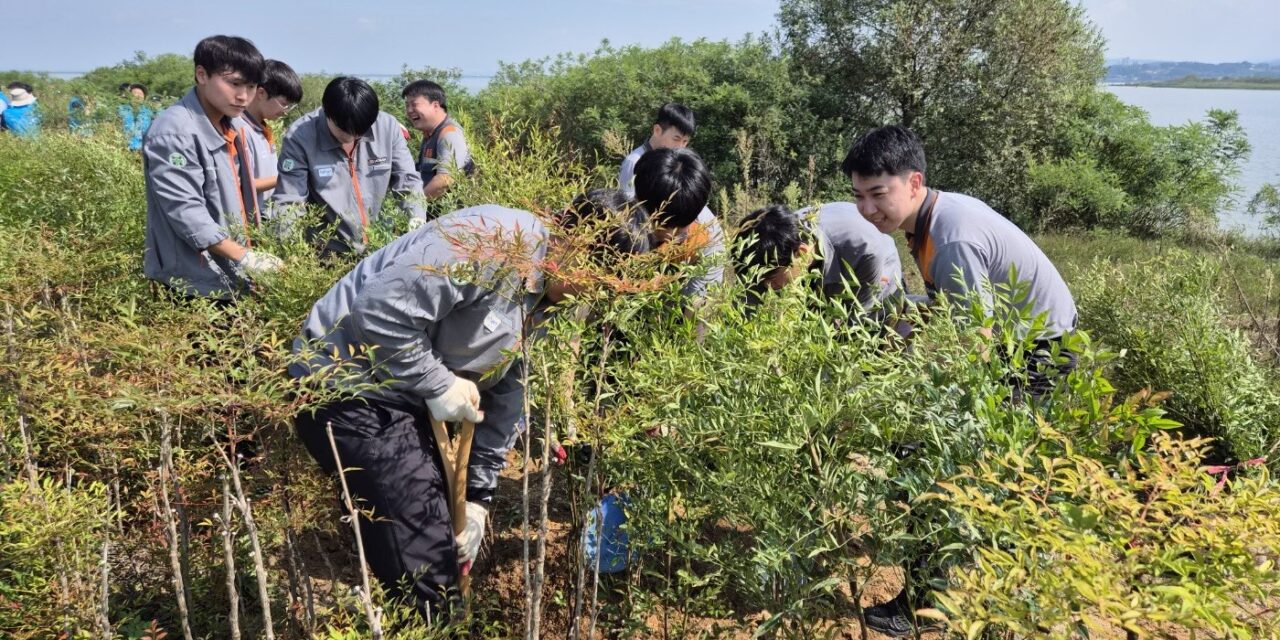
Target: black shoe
[(892, 618)]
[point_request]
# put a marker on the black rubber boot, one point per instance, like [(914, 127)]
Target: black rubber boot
[(892, 618)]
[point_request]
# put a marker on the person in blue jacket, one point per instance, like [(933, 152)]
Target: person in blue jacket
[(22, 116), (135, 115), (78, 119)]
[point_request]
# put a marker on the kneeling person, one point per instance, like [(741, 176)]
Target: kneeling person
[(346, 156)]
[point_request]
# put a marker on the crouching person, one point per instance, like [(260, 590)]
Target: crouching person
[(424, 328), (774, 246)]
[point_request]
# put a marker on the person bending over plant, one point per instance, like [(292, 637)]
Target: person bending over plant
[(424, 329)]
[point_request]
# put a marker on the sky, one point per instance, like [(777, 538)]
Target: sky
[(378, 37)]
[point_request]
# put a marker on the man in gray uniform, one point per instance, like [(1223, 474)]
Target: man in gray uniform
[(200, 197), (444, 147), (775, 245), (279, 93), (423, 328), (962, 248), (673, 128), (673, 185), (346, 156), (960, 244)]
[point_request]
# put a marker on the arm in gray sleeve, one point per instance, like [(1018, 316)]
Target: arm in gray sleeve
[(503, 406), (289, 200), (391, 317), (626, 175), (710, 270), (455, 152), (960, 268), (406, 182), (177, 183)]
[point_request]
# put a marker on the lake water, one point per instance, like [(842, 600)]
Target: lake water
[(1259, 115)]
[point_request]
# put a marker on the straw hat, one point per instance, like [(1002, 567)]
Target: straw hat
[(19, 97)]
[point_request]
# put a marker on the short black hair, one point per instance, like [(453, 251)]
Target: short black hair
[(21, 85), (124, 86), (351, 103), (139, 85), (219, 54), (673, 185), (674, 114), (891, 150), (767, 240), (432, 91), (622, 226), (279, 79)]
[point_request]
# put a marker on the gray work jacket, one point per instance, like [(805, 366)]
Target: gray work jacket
[(428, 307), (315, 170), (194, 201)]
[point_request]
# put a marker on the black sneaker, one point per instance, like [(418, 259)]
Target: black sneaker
[(892, 618)]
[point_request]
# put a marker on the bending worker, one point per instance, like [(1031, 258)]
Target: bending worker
[(423, 328)]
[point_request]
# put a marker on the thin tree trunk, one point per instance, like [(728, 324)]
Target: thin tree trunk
[(299, 582), (104, 566), (540, 575), (591, 467), (524, 503), (372, 614), (251, 528), (229, 559), (171, 526)]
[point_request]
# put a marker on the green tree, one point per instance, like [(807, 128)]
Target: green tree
[(168, 75), (1265, 204), (985, 83), (749, 103), (1174, 177)]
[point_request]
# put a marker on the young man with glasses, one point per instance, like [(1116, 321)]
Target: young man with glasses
[(200, 195), (345, 157), (279, 93)]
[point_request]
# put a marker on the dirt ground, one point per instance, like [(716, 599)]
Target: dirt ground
[(500, 577)]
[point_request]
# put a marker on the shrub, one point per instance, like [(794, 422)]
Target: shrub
[(1067, 547), (1073, 193), (1167, 316)]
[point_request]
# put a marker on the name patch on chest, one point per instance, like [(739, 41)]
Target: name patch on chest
[(492, 322), (324, 172), (378, 162)]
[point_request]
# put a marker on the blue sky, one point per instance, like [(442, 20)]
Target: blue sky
[(378, 37)]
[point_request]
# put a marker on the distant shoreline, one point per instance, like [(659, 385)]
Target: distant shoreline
[(1192, 82)]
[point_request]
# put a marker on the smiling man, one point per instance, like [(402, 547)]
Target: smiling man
[(200, 196), (346, 157), (444, 148), (962, 247)]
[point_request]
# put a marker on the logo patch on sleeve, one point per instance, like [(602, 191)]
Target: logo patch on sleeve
[(287, 164), (177, 159)]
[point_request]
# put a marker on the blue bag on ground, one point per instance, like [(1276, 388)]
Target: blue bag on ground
[(604, 540)]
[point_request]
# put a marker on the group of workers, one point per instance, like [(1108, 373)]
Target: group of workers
[(424, 328)]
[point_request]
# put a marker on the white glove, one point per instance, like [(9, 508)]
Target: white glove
[(460, 402), (414, 223), (256, 263), (472, 534)]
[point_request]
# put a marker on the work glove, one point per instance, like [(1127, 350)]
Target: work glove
[(414, 223), (472, 534), (460, 402), (256, 263)]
